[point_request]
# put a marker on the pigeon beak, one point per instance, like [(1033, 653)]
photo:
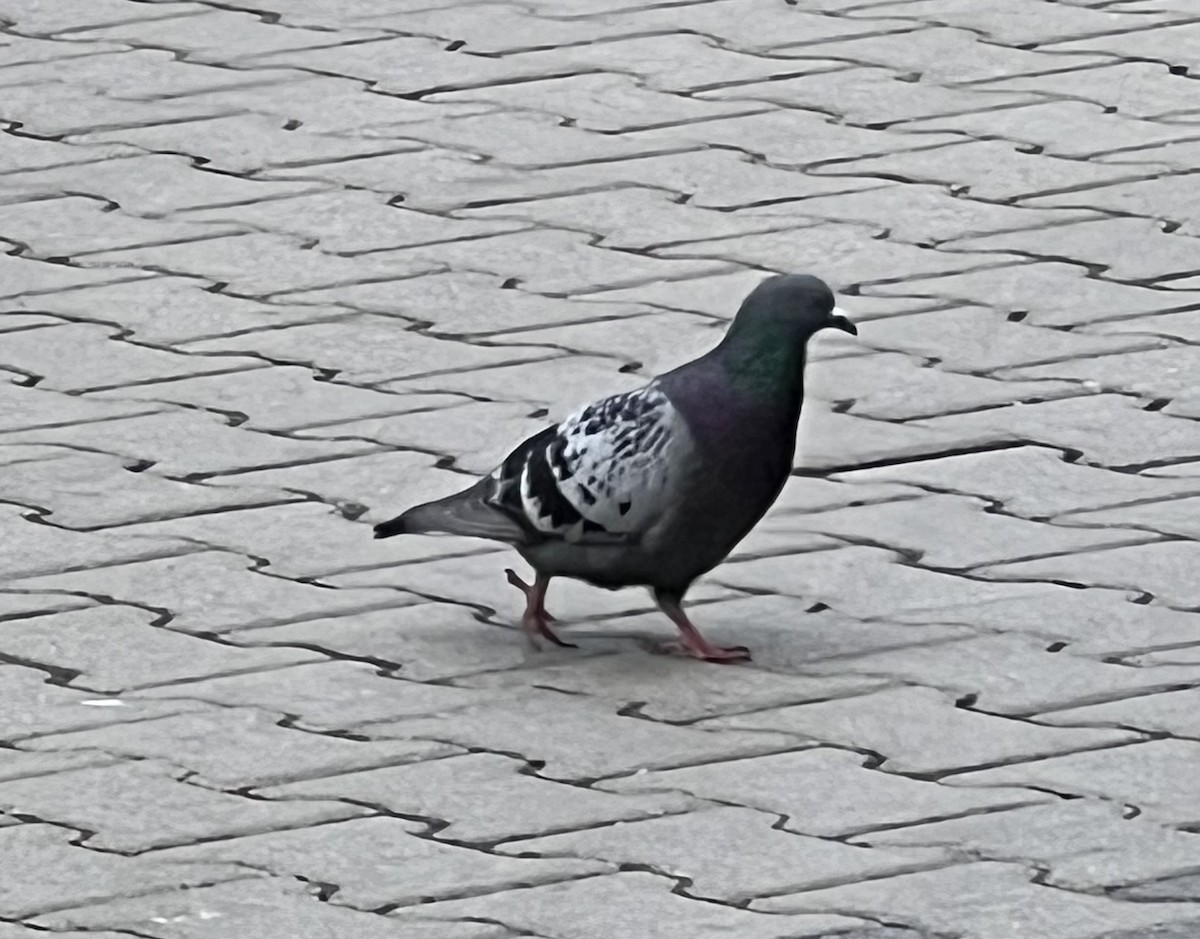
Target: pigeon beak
[(838, 320)]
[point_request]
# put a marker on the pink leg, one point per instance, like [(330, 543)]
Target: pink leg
[(695, 644), (535, 620)]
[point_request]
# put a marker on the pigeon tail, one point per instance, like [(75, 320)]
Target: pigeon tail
[(464, 513)]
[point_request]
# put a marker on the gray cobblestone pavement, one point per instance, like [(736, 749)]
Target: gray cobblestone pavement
[(275, 269)]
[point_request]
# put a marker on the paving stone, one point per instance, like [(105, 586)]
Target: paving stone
[(429, 641), (559, 382), (1151, 776), (1157, 198), (790, 137), (846, 255), (1137, 89), (70, 876), (1005, 24), (282, 398), (171, 309), (553, 261), (1159, 569), (517, 138), (258, 264), (1172, 516), (379, 481), (950, 55), (326, 695), (22, 765), (466, 303), (240, 143), (495, 428), (1089, 621), (609, 103), (334, 544), (1011, 174), (26, 277), (265, 753), (1065, 128), (872, 96), (1166, 931), (51, 108), (111, 648), (135, 806), (206, 36), (923, 214), (990, 900), (1051, 294), (78, 357), (712, 178), (1085, 844), (1180, 155), (212, 591), (727, 853), (22, 604), (824, 792), (919, 730), (24, 408), (274, 908), (1160, 372), (1128, 248), (955, 533), (377, 349), (977, 339), (1171, 325), (1171, 712), (1010, 674), (1172, 888), (638, 218), (514, 722), (32, 548), (634, 903), (427, 869), (894, 387), (89, 490), (1110, 430), (1030, 481), (448, 790), (654, 343), (150, 186), (73, 225), (187, 443), (664, 689), (140, 75), (32, 706), (350, 221), (782, 632), (836, 578)]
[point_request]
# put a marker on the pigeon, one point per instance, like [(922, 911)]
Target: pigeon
[(653, 487)]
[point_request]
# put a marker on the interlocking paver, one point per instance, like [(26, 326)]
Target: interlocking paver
[(989, 900), (1085, 843), (919, 730), (132, 807), (448, 791), (273, 272)]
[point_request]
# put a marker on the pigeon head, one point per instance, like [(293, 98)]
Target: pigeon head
[(764, 350), (789, 308)]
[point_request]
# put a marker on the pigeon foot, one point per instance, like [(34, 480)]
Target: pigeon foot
[(693, 643), (535, 620)]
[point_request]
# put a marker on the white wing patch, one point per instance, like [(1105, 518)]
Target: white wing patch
[(604, 472)]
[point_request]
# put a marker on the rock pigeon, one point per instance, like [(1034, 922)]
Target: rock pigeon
[(654, 487)]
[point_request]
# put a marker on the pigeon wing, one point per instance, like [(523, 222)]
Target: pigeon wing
[(602, 476)]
